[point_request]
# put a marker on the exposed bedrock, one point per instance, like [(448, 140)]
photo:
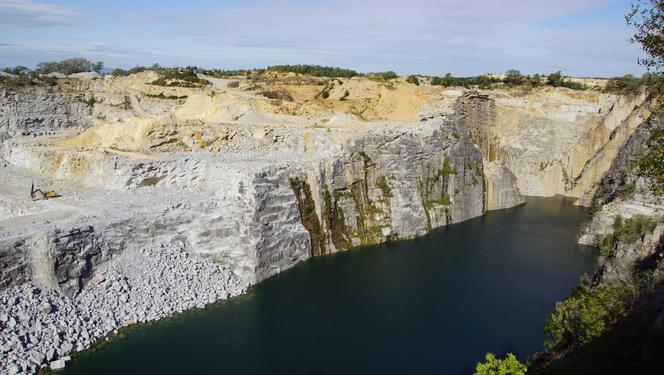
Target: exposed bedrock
[(553, 142), (391, 186), (39, 109), (254, 186)]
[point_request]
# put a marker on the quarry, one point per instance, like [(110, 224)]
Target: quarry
[(190, 195)]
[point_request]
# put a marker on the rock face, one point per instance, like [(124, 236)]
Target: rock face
[(624, 197), (554, 142), (170, 187), (39, 109), (392, 186)]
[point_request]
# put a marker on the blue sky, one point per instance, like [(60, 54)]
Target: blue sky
[(579, 37)]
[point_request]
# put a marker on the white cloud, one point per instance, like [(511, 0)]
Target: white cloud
[(35, 13)]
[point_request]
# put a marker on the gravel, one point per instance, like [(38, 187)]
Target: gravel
[(38, 325)]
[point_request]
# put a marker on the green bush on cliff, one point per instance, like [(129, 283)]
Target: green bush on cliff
[(651, 165), (626, 232), (587, 314), (510, 365)]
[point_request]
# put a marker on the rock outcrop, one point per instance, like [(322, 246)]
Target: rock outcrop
[(226, 185), (554, 142)]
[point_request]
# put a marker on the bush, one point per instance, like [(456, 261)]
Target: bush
[(625, 85), (514, 77), (651, 165), (19, 69), (315, 70), (414, 80), (626, 232), (233, 84), (345, 96), (278, 95), (587, 314), (495, 366), (389, 75), (558, 80), (181, 77), (483, 82)]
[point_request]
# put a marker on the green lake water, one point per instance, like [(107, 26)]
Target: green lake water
[(432, 305)]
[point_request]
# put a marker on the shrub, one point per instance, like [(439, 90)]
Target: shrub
[(315, 70), (625, 85), (495, 366), (278, 95), (414, 80), (651, 165), (558, 80), (181, 77), (447, 168), (389, 75), (345, 96), (233, 84), (382, 184), (19, 69), (513, 77), (626, 232), (587, 314)]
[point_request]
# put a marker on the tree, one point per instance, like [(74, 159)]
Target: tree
[(98, 66), (586, 314), (495, 366), (647, 18), (555, 79), (68, 66), (514, 77)]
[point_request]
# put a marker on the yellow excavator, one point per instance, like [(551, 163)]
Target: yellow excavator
[(44, 194)]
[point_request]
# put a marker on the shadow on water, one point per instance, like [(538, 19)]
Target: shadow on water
[(435, 304)]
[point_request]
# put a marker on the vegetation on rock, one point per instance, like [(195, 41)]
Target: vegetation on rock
[(651, 165), (179, 77), (510, 365)]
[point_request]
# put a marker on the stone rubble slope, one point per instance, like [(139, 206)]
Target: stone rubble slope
[(38, 325)]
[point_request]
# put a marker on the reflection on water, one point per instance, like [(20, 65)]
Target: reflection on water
[(435, 304)]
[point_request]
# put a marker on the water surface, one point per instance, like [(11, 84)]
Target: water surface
[(435, 304)]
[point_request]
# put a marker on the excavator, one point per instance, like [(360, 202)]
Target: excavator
[(44, 194)]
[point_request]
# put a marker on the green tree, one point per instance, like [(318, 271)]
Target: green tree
[(555, 79), (495, 366), (67, 66), (647, 18), (513, 77), (98, 66), (587, 314)]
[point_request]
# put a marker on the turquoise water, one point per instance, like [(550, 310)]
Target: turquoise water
[(435, 304)]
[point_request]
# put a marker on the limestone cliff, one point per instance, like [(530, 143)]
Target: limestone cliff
[(554, 142), (260, 184)]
